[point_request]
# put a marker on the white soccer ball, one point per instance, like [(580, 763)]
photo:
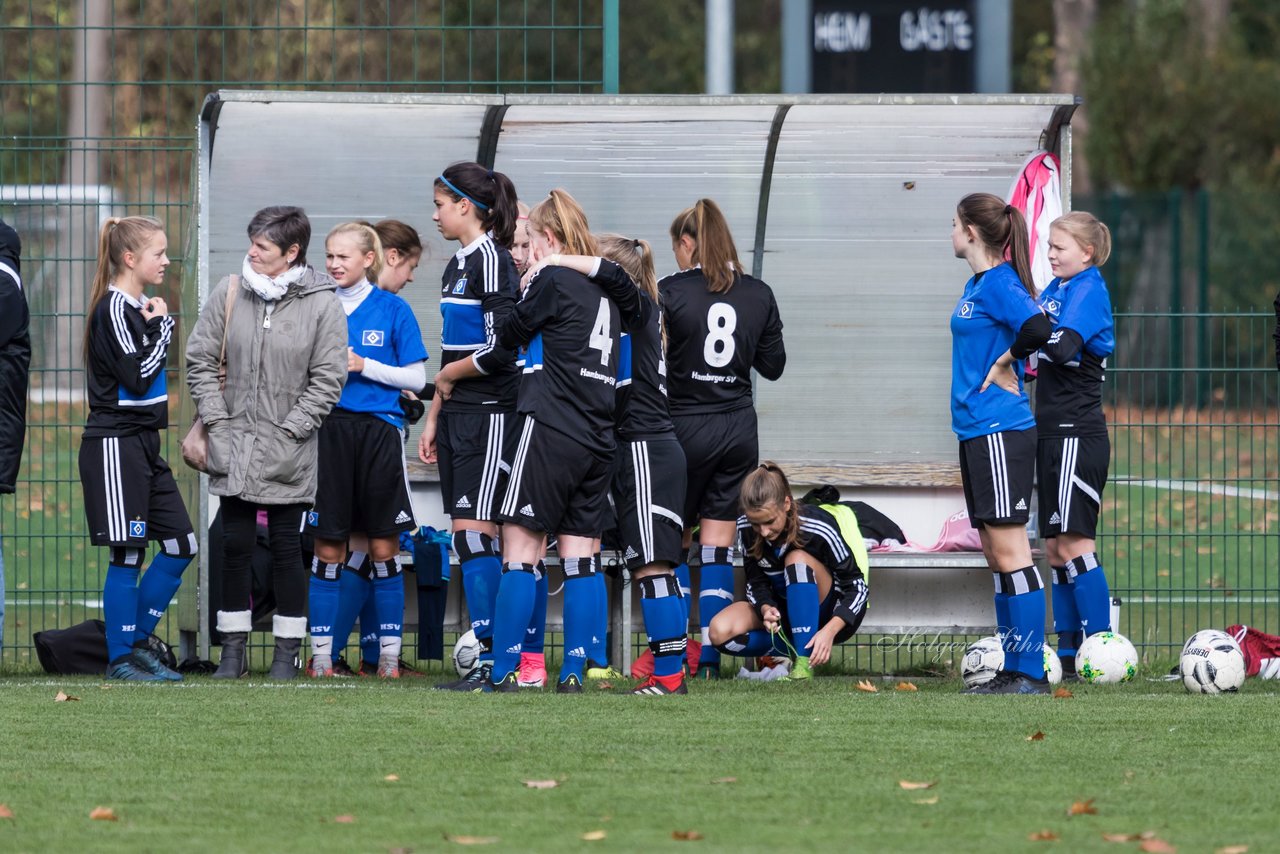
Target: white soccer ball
[(466, 653), (1106, 657), (1212, 663), (1052, 666), (982, 660)]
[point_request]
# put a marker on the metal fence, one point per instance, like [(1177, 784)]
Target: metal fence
[(98, 109)]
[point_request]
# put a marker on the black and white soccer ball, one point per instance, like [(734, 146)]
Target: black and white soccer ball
[(1212, 663), (982, 660), (466, 653)]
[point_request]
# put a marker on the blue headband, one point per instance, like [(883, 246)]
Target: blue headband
[(458, 192)]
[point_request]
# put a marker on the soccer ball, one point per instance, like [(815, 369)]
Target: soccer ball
[(1212, 663), (982, 660), (1106, 657), (1052, 666), (466, 653)]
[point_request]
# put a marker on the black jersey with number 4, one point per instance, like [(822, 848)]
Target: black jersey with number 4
[(571, 326), (128, 391), (714, 340)]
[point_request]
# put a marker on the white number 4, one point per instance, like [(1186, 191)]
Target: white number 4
[(600, 338)]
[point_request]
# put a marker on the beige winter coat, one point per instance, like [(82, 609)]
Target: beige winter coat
[(283, 377)]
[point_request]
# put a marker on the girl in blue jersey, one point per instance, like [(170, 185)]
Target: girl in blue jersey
[(362, 485), (471, 423), (130, 496), (1074, 451), (995, 325)]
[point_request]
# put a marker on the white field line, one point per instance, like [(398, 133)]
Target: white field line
[(1204, 488)]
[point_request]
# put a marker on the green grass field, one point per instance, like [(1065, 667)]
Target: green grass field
[(206, 766)]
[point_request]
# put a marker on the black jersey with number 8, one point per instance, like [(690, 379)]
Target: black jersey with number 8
[(714, 340)]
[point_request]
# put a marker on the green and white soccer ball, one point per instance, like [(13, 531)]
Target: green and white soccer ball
[(984, 658), (466, 653), (1106, 658), (1052, 665), (1212, 663)]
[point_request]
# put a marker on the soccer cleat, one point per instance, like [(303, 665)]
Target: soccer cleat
[(148, 660), (801, 671), (473, 682), (370, 668), (1011, 682), (708, 671), (320, 667), (533, 670), (509, 684), (341, 669), (602, 671), (571, 684), (658, 686), (129, 670), (389, 667)]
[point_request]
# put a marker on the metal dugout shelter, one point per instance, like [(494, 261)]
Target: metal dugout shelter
[(842, 203)]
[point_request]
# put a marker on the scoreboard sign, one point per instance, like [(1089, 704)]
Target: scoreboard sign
[(872, 46)]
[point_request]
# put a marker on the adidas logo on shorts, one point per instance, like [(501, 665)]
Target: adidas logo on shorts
[(1021, 505), (526, 510), (403, 517), (1055, 519), (463, 503), (631, 554)]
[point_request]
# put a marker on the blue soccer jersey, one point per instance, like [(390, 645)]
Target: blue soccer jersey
[(1072, 365), (382, 328), (984, 324)]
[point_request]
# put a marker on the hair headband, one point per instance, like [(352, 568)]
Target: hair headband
[(458, 192)]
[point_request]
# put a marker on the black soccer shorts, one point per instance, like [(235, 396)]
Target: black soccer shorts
[(648, 492), (1071, 473), (362, 484), (130, 496), (720, 449), (557, 485), (998, 473), (473, 450)]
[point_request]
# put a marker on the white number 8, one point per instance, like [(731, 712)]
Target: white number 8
[(717, 350)]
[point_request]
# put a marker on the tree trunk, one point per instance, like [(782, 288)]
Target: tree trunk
[(1072, 22)]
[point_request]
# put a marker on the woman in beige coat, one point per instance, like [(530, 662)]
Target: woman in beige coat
[(286, 348)]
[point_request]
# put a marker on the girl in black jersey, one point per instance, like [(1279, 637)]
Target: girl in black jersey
[(721, 325), (471, 422), (560, 470), (649, 480), (806, 576), (130, 496)]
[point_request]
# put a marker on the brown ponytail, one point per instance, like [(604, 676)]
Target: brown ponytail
[(766, 486), (713, 247), (1002, 230), (118, 236)]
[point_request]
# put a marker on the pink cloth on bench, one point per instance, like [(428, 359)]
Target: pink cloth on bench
[(957, 535)]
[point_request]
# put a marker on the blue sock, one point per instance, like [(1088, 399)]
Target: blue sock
[(355, 590), (664, 617), (1026, 620), (1093, 598), (516, 593), (802, 606), (1002, 618), (598, 651), (535, 637), (715, 593), (369, 626), (754, 643), (579, 613), (686, 592), (323, 605), (120, 609), (481, 575), (159, 583), (1066, 619), (388, 602)]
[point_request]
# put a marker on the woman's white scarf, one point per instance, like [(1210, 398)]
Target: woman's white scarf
[(266, 287)]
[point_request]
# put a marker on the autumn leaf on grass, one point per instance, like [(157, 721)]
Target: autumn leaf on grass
[(1062, 694), (1156, 845), (725, 780), (594, 835), (62, 697), (864, 685), (344, 819), (911, 787), (541, 784), (905, 686), (1036, 736), (1231, 849), (1083, 808), (686, 835), (604, 685), (103, 814), (470, 840), (392, 778), (1043, 836), (1120, 837), (926, 801), (5, 812)]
